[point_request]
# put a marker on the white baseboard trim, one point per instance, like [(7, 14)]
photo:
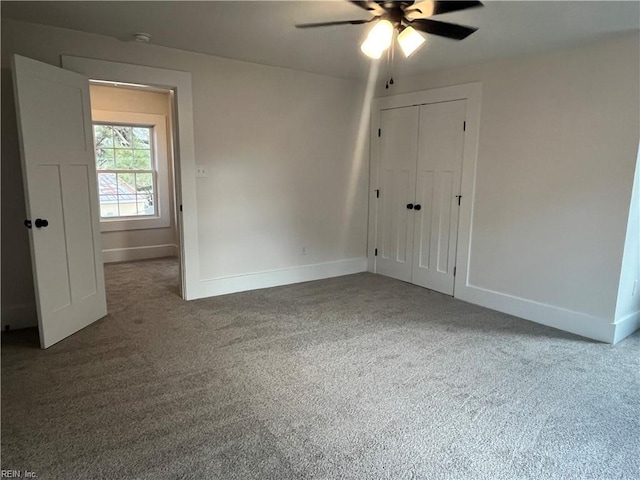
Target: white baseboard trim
[(19, 316), (138, 253), (274, 278), (626, 326), (568, 320)]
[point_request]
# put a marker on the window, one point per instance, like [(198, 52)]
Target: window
[(134, 167), (126, 173)]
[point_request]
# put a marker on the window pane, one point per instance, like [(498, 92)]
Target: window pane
[(122, 137), (126, 186), (108, 206), (142, 159), (124, 160), (145, 205), (103, 136), (127, 206), (107, 184), (105, 159), (144, 187), (144, 182), (141, 138)]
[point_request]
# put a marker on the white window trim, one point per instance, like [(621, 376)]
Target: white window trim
[(162, 219)]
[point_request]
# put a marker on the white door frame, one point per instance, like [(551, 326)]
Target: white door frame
[(184, 150), (471, 92)]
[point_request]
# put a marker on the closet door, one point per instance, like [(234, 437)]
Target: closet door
[(440, 151), (398, 150)]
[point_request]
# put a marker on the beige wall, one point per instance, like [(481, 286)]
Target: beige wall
[(119, 99), (557, 153), (113, 99)]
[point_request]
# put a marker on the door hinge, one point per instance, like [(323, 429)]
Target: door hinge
[(379, 132), (464, 126), (180, 207), (459, 197), (375, 252), (454, 271), (377, 193)]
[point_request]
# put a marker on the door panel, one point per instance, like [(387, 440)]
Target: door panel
[(440, 151), (46, 183), (444, 214), (397, 169), (59, 122), (385, 230), (78, 219), (58, 166), (424, 196), (402, 184)]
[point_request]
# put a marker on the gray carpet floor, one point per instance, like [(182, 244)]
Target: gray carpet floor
[(359, 377)]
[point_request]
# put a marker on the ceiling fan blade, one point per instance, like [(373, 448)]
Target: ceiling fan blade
[(442, 29), (340, 22), (373, 7), (433, 7)]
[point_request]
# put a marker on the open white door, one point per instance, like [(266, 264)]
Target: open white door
[(58, 166)]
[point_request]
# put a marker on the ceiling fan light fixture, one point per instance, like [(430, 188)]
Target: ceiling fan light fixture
[(378, 39), (410, 40)]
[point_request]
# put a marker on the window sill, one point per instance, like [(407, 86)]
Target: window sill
[(144, 223)]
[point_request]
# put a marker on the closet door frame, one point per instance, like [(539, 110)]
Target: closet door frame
[(471, 92)]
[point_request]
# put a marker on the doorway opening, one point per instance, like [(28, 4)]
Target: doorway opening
[(133, 131), (179, 83), (56, 143)]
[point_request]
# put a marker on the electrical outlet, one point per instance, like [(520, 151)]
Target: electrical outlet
[(201, 171)]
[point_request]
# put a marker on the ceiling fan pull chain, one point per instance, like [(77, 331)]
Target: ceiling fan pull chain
[(388, 67), (390, 59), (392, 56)]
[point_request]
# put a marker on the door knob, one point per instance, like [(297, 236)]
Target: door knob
[(410, 206), (417, 207), (27, 223), (41, 223)]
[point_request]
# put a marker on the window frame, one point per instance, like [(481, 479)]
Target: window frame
[(153, 171), (160, 163)]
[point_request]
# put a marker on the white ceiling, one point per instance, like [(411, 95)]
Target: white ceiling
[(263, 31)]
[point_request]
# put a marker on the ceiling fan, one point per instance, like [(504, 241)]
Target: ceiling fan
[(407, 18)]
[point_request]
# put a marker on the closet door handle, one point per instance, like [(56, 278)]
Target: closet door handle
[(410, 206), (417, 207)]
